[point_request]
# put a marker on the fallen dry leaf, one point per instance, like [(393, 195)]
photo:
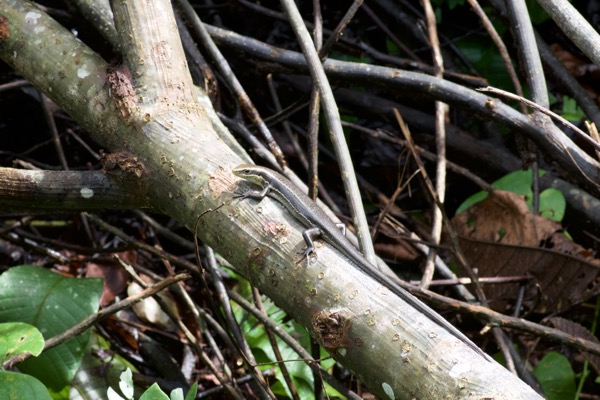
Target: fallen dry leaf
[(501, 238)]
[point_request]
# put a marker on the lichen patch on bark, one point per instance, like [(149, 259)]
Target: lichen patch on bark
[(122, 91), (122, 162)]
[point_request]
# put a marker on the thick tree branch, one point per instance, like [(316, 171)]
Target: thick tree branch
[(64, 191)]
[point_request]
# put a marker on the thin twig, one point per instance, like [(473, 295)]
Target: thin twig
[(338, 31), (543, 110), (441, 111), (332, 117), (497, 40)]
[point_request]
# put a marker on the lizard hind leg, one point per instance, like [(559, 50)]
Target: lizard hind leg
[(310, 249)]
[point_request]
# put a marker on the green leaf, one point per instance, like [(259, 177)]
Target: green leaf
[(556, 377), (571, 111), (62, 394), (19, 338), (471, 201), (455, 3), (191, 395), (15, 386), (126, 383), (486, 60), (391, 47), (552, 204), (154, 392), (536, 12), (53, 303), (518, 182), (113, 395), (176, 394)]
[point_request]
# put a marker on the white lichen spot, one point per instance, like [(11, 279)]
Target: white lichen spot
[(83, 72), (194, 150), (39, 29), (86, 192), (459, 369), (180, 158), (388, 390), (31, 17)]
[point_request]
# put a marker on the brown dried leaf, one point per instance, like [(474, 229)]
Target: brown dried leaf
[(115, 279), (576, 330), (503, 217), (501, 238), (577, 66)]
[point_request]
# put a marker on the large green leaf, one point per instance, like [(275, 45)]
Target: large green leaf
[(53, 303), (15, 386)]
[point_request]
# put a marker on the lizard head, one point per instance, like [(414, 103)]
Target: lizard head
[(252, 173)]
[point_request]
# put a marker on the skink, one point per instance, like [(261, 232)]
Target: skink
[(318, 223)]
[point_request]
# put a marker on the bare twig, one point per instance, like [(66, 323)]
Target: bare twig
[(335, 128), (441, 111)]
